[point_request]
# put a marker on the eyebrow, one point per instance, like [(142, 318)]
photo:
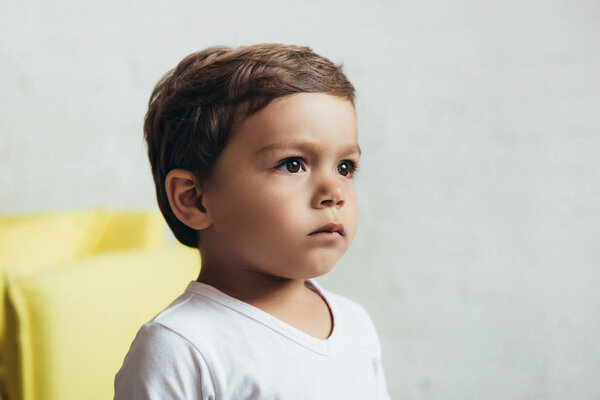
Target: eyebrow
[(303, 145)]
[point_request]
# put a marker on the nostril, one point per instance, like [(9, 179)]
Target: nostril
[(331, 203)]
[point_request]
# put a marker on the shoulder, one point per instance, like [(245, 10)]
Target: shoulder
[(168, 333), (361, 328), (356, 318), (154, 339), (162, 363), (348, 308)]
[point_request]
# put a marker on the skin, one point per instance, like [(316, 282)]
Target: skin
[(254, 235)]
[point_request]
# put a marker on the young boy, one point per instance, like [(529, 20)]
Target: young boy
[(254, 152)]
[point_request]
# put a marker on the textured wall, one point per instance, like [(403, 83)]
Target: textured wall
[(478, 247)]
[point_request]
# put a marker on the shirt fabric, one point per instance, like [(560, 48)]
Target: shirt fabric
[(209, 345)]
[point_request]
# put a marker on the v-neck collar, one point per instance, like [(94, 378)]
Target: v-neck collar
[(318, 345)]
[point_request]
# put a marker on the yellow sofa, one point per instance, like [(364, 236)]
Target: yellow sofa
[(76, 287)]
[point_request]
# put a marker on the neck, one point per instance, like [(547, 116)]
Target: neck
[(249, 284)]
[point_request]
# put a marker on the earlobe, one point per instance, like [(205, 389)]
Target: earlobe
[(185, 199)]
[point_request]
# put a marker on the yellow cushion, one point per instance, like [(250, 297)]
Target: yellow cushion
[(33, 241), (71, 325), (39, 240), (130, 230)]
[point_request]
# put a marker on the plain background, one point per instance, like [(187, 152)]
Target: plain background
[(478, 248)]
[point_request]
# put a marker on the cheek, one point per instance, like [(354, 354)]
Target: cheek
[(352, 211), (255, 210), (275, 209)]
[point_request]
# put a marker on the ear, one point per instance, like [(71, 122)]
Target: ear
[(185, 199)]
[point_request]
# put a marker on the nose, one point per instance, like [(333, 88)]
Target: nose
[(329, 193)]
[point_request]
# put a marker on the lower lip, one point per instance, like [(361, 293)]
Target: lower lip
[(328, 236)]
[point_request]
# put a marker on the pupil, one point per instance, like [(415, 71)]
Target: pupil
[(344, 167), (294, 165)]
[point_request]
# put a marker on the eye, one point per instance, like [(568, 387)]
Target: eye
[(292, 164), (348, 167)]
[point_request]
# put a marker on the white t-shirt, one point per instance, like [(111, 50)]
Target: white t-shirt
[(209, 345)]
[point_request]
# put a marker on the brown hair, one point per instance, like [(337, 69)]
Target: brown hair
[(192, 108)]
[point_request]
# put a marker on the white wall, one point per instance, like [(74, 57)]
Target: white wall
[(478, 249)]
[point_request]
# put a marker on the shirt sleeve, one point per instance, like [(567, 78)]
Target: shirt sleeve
[(381, 384), (382, 390), (161, 364)]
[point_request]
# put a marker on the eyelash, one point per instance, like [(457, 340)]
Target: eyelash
[(352, 166)]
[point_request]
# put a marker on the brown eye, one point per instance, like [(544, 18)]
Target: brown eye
[(293, 165), (348, 168), (344, 169)]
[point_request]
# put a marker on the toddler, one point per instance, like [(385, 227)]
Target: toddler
[(254, 151)]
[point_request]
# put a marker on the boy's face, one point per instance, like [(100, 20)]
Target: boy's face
[(264, 202)]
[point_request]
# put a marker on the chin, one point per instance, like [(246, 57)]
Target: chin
[(318, 270), (307, 268)]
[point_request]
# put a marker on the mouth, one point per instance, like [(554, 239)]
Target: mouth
[(330, 228)]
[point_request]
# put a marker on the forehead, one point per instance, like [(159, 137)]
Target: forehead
[(318, 119)]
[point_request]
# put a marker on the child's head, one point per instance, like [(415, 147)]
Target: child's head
[(226, 184)]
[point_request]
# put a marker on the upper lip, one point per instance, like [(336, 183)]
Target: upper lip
[(331, 227)]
